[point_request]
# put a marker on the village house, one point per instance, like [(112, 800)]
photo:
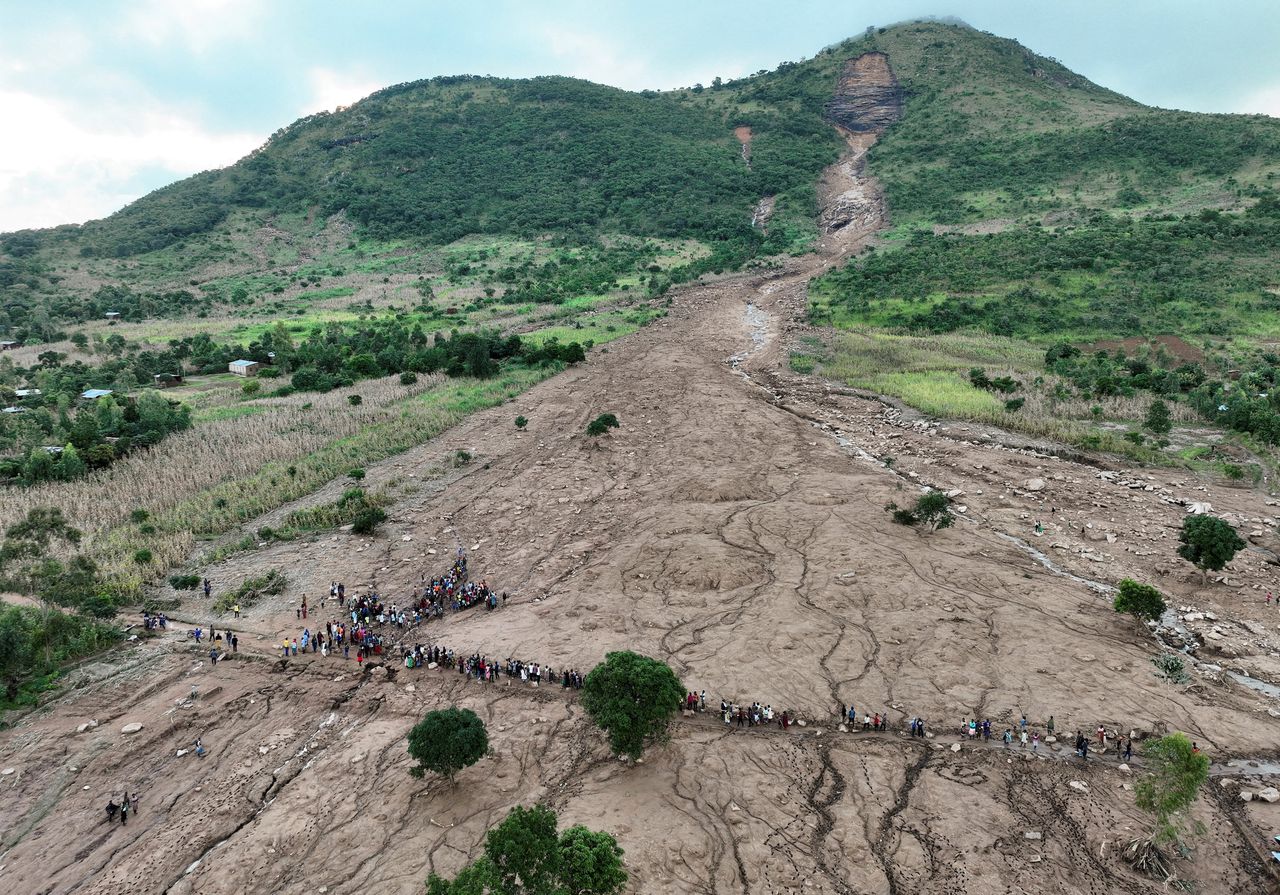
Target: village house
[(167, 380), (94, 394), (244, 367)]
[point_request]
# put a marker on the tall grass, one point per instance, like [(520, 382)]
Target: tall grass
[(224, 472)]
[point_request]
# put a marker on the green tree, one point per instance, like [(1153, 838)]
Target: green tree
[(1208, 543), (70, 466), (1158, 420), (524, 856), (446, 741), (632, 697), (1141, 600), (590, 863), (1175, 772), (367, 519)]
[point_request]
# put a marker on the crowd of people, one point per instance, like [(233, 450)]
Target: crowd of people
[(363, 621)]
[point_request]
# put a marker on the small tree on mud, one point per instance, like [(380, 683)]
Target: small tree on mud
[(1141, 600), (632, 697), (446, 741), (1175, 772), (1209, 543), (932, 509)]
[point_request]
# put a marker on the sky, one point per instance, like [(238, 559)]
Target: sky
[(103, 101)]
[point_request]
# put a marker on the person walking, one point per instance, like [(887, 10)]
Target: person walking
[(1128, 749)]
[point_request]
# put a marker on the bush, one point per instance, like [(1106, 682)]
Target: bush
[(252, 387), (251, 590), (932, 508), (184, 582), (408, 377), (356, 473), (1141, 600), (1013, 405), (367, 520), (461, 458), (1170, 667), (602, 424), (521, 422), (139, 516), (632, 697), (142, 557), (355, 400), (446, 741)]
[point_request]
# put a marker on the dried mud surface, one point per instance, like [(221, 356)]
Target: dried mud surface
[(733, 526)]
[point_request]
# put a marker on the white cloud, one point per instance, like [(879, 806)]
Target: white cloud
[(71, 166), (1265, 101), (597, 58), (196, 25), (332, 89)]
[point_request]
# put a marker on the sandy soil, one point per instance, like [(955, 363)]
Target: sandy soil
[(733, 526)]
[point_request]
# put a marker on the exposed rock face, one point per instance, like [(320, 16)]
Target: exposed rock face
[(867, 98)]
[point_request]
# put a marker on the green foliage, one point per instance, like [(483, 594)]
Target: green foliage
[(35, 643), (446, 741), (1158, 420), (521, 422), (37, 558), (1141, 600), (1175, 771), (1208, 542), (252, 387), (355, 400), (408, 378), (632, 697), (1104, 278), (142, 557), (524, 856), (251, 590), (356, 473), (1171, 668), (932, 508), (367, 520), (602, 424), (184, 582)]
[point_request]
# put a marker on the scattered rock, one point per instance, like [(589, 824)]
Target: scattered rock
[(1124, 767), (132, 727), (1033, 834), (7, 771), (955, 747), (1245, 796), (1033, 485), (1079, 785), (1270, 794)]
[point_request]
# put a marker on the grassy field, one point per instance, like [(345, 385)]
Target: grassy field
[(931, 374)]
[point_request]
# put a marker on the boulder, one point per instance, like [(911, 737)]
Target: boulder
[(1079, 785), (955, 747), (1033, 485), (1246, 796), (6, 772), (132, 727), (1270, 794), (1033, 834)]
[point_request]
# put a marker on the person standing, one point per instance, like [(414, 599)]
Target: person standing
[(1049, 726)]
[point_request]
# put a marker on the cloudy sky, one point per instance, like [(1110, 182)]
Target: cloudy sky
[(104, 100)]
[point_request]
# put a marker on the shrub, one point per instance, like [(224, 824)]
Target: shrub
[(446, 741), (461, 458), (355, 400), (356, 473), (1013, 405), (139, 516), (142, 557), (184, 582), (1175, 772), (367, 520), (932, 508), (521, 422), (408, 377), (1170, 667), (602, 424), (251, 590), (252, 387)]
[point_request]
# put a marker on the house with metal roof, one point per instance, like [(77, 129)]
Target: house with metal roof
[(94, 394), (244, 367)]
